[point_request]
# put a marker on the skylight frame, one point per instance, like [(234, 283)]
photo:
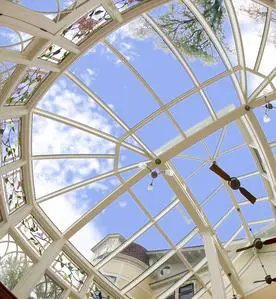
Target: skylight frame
[(27, 131)]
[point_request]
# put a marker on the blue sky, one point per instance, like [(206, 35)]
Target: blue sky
[(114, 84)]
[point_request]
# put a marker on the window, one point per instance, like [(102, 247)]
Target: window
[(186, 292)]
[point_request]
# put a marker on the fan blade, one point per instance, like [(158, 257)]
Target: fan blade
[(248, 195), (274, 279), (270, 241), (245, 248), (257, 281), (216, 169)]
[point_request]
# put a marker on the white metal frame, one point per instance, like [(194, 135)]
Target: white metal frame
[(19, 18)]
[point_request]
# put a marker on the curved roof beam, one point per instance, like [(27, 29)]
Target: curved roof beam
[(144, 83), (219, 48), (88, 129), (182, 61), (238, 42), (264, 40)]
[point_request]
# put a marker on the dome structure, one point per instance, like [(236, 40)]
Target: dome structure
[(138, 149)]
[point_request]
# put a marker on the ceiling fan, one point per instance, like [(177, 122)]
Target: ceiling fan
[(233, 182), (258, 244), (268, 279)]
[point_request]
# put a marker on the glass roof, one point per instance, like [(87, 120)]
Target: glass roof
[(112, 113)]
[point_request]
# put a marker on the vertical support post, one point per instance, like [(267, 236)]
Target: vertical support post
[(217, 285)]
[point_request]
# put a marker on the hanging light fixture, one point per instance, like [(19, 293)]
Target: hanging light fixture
[(153, 173), (268, 107)]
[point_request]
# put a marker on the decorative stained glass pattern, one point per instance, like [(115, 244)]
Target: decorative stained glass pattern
[(14, 191), (69, 271), (47, 288), (13, 262), (87, 24), (28, 85), (96, 292), (34, 234), (54, 54), (10, 140)]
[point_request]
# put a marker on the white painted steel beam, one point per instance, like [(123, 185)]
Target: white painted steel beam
[(33, 274), (166, 155), (258, 137), (217, 285), (192, 207), (18, 58), (13, 219), (12, 112), (264, 40)]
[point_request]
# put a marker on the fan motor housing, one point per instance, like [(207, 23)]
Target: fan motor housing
[(268, 279), (258, 244), (234, 183)]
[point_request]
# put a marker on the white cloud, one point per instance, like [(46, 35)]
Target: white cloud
[(50, 137), (88, 76), (122, 204), (251, 36)]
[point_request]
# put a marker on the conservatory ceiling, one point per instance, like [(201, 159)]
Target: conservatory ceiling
[(112, 113)]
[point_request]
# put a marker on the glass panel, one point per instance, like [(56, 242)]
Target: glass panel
[(97, 292), (158, 132), (27, 86), (76, 203), (64, 139), (189, 37), (14, 262), (251, 17), (81, 29), (178, 217), (111, 228), (134, 259), (34, 234), (10, 133), (191, 113), (14, 190), (53, 9), (14, 40), (126, 93), (54, 54), (155, 197), (46, 288), (221, 99), (138, 42), (69, 271)]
